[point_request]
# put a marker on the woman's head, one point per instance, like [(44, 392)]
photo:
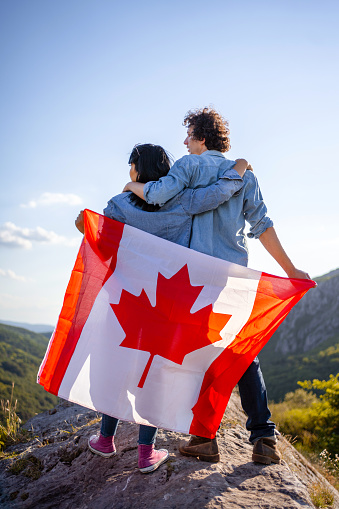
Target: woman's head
[(151, 162), (148, 162)]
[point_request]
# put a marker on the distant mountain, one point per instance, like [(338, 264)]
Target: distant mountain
[(34, 327), (306, 345), (21, 353)]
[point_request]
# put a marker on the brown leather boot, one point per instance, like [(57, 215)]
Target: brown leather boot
[(206, 449), (265, 451)]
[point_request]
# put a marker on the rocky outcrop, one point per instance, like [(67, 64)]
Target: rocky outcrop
[(54, 468)]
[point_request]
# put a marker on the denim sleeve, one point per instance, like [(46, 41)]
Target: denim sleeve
[(115, 209), (255, 210), (196, 201), (110, 210), (179, 177)]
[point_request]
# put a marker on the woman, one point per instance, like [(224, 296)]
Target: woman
[(172, 222)]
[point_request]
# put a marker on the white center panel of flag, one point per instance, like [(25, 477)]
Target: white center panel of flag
[(170, 389)]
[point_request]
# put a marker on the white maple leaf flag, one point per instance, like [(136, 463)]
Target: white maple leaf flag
[(159, 334)]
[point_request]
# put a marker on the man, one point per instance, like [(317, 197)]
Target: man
[(220, 233)]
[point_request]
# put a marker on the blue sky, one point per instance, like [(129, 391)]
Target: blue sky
[(84, 81)]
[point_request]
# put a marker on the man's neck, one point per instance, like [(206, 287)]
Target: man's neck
[(203, 149)]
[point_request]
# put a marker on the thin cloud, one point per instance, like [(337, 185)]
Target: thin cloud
[(10, 274), (47, 199), (15, 236)]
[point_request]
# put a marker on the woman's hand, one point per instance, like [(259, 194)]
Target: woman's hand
[(79, 222)]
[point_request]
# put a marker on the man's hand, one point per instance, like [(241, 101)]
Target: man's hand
[(249, 167), (127, 188), (298, 274), (79, 222), (136, 188)]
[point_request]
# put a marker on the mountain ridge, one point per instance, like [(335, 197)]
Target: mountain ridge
[(306, 345), (33, 327)]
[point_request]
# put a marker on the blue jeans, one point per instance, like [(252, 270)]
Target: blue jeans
[(253, 396), (147, 434)]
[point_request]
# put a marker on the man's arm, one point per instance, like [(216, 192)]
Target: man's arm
[(255, 212), (224, 190), (271, 243), (178, 178), (196, 201), (160, 191)]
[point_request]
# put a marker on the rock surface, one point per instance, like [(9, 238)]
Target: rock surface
[(55, 469)]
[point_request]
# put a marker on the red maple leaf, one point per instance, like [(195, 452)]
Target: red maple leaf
[(168, 329)]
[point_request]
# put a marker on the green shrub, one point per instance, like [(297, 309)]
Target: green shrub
[(313, 419)]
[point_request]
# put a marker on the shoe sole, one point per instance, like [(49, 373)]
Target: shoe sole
[(148, 470), (265, 460), (99, 453), (210, 458)]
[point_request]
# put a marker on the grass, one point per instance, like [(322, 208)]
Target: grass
[(321, 496), (9, 430), (30, 466), (326, 464)]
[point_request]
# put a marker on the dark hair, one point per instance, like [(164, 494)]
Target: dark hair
[(151, 163), (209, 125)]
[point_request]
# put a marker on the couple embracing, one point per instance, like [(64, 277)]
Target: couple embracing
[(201, 202)]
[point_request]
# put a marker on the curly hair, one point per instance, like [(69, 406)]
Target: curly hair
[(209, 125)]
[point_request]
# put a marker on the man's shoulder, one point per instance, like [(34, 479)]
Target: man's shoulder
[(250, 177), (226, 164), (188, 160)]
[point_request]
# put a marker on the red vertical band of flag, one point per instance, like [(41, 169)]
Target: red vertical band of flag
[(274, 299), (94, 265)]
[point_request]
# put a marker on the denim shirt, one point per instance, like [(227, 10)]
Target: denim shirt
[(174, 220), (218, 232)]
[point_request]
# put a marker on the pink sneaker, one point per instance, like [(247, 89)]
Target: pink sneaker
[(104, 446), (150, 459)]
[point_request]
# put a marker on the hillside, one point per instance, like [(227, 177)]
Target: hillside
[(21, 353), (306, 345)]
